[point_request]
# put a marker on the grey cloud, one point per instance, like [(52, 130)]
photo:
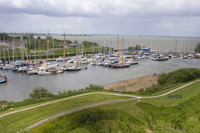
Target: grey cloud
[(86, 8), (136, 17)]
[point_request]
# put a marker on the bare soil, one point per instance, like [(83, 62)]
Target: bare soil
[(133, 85)]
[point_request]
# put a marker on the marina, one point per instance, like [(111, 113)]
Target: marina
[(115, 59), (20, 85)]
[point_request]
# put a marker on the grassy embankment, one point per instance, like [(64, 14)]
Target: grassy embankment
[(175, 112), (161, 114), (17, 121)]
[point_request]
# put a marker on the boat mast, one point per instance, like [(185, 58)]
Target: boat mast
[(25, 50), (29, 48), (122, 50), (8, 50), (39, 49), (64, 51), (4, 53), (117, 48), (0, 54), (47, 49), (13, 45), (35, 49), (175, 46), (53, 50)]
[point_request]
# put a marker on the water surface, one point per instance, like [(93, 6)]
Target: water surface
[(20, 85)]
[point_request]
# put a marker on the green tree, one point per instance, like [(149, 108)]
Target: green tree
[(131, 48), (137, 47), (197, 48), (4, 36)]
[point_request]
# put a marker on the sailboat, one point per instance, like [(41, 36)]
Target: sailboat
[(32, 69), (65, 66), (43, 69), (49, 69), (121, 63), (75, 67)]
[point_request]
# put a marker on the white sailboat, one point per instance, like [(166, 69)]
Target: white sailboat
[(43, 69)]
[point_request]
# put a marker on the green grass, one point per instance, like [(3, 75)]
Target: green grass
[(186, 93), (20, 120), (161, 115), (101, 119)]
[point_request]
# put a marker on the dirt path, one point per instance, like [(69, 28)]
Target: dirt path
[(104, 103)]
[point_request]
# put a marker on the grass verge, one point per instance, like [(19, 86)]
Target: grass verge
[(20, 120)]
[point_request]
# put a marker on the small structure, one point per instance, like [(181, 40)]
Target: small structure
[(145, 50)]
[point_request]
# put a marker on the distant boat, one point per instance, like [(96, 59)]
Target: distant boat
[(159, 58), (73, 68), (123, 65), (43, 72), (132, 62), (120, 64), (3, 79), (60, 59), (32, 71)]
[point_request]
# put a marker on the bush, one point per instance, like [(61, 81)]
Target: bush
[(179, 76), (197, 48), (40, 92), (167, 80), (94, 87)]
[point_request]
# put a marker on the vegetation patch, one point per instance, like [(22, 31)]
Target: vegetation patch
[(96, 120), (42, 94), (167, 80)]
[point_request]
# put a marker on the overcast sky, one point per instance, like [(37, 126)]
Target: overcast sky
[(127, 17)]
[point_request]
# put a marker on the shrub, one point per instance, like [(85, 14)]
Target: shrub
[(166, 80), (94, 87), (40, 92), (179, 76)]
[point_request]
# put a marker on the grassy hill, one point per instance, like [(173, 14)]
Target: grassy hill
[(176, 112), (163, 114), (17, 121)]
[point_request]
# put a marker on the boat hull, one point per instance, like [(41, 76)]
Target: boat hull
[(3, 79)]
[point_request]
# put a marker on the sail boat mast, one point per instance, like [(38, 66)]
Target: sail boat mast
[(47, 49), (64, 51), (8, 50), (122, 50), (13, 49), (39, 50), (35, 50), (117, 48)]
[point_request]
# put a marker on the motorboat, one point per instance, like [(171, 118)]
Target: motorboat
[(74, 68), (60, 59), (3, 79)]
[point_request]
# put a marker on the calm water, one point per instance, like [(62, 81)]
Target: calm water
[(20, 85), (180, 44)]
